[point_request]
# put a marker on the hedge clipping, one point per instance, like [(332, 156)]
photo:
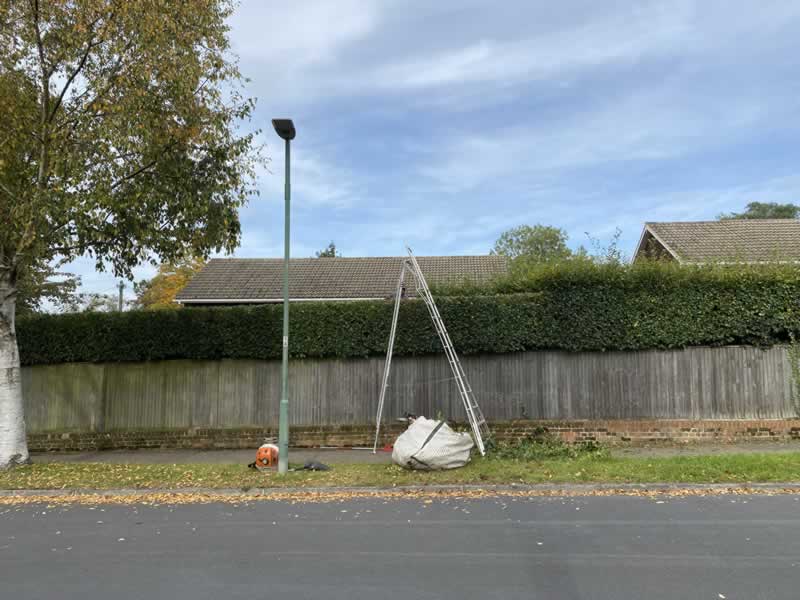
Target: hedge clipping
[(571, 307)]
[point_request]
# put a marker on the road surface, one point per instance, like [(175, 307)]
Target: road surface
[(618, 548)]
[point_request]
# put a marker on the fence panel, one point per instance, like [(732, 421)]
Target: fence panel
[(696, 383)]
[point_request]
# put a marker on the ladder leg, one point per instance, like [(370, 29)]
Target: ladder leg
[(388, 364)]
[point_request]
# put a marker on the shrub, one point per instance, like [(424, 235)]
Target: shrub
[(541, 444), (572, 306)]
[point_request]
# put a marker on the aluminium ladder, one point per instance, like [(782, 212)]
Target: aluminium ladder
[(477, 421)]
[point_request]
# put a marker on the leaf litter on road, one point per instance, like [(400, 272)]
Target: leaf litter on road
[(422, 494)]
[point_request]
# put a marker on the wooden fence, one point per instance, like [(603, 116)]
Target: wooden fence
[(697, 383)]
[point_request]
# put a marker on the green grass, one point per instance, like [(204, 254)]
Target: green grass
[(585, 468)]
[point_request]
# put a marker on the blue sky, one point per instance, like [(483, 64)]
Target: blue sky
[(441, 124)]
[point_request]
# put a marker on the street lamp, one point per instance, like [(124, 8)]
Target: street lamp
[(285, 129)]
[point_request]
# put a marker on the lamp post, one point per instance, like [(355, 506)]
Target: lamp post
[(285, 129)]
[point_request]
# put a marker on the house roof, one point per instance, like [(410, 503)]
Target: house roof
[(240, 280), (728, 240)]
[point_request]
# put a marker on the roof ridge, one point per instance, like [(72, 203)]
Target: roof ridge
[(726, 221), (254, 258)]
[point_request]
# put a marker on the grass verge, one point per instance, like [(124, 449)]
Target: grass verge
[(585, 468)]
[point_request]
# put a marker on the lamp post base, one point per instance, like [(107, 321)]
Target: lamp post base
[(283, 437)]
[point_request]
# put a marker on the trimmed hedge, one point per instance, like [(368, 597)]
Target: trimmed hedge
[(567, 307)]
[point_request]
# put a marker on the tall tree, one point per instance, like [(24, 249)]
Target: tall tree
[(160, 291), (117, 141), (533, 244), (329, 252), (766, 210)]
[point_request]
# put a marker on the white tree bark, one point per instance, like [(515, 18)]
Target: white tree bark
[(13, 444)]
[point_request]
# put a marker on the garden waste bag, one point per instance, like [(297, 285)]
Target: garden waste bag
[(431, 445)]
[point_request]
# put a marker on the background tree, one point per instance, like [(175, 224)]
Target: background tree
[(533, 244), (94, 302), (603, 253), (39, 285), (160, 291), (329, 252), (765, 210), (117, 141)]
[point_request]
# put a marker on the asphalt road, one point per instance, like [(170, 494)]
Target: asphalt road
[(723, 547)]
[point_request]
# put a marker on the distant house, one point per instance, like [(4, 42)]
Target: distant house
[(226, 281), (751, 241)]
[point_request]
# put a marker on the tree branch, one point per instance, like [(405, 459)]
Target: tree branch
[(143, 168), (45, 109), (138, 171), (11, 194), (113, 72), (91, 44), (38, 34), (71, 78)]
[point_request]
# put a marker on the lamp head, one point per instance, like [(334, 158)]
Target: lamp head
[(284, 128)]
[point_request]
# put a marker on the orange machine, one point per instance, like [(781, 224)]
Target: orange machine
[(266, 456)]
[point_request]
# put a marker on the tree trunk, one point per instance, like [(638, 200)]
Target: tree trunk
[(13, 445)]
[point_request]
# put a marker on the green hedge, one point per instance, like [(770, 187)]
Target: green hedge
[(568, 307)]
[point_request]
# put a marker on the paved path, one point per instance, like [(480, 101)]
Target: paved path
[(620, 548), (346, 456), (709, 449), (242, 457)]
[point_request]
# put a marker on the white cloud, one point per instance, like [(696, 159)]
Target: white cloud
[(624, 37), (706, 202), (290, 51), (316, 182), (318, 49), (652, 124), (287, 34)]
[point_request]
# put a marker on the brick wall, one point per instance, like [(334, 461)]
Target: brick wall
[(621, 432), (608, 432)]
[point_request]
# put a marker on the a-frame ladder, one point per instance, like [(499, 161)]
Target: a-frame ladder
[(477, 421)]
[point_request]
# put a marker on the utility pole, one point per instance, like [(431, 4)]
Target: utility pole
[(121, 287), (285, 129)]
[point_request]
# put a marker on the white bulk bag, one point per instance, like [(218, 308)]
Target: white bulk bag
[(431, 445)]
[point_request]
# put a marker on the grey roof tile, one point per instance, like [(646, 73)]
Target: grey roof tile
[(731, 240), (252, 279)]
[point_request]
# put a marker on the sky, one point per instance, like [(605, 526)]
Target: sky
[(442, 124)]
